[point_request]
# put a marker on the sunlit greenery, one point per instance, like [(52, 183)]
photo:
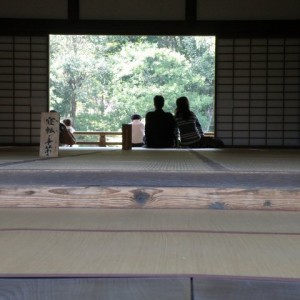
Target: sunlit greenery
[(100, 81)]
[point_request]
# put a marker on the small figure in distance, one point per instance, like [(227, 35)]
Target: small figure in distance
[(68, 124), (66, 137), (138, 131), (189, 127), (160, 126), (66, 133)]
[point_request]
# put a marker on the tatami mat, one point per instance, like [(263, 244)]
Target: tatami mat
[(148, 289), (155, 160), (217, 168), (152, 243), (257, 160), (134, 253), (95, 289), (221, 289), (181, 220)]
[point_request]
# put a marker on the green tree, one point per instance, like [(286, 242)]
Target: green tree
[(75, 74)]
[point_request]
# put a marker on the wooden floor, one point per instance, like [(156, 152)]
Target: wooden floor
[(210, 225)]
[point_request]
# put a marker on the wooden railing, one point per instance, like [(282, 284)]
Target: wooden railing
[(125, 140), (102, 141), (102, 137), (209, 134)]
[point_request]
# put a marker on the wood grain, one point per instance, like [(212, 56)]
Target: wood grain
[(137, 197)]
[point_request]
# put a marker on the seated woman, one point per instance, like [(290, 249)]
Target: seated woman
[(69, 126), (189, 127), (66, 130)]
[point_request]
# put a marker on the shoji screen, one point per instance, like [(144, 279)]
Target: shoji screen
[(23, 88), (258, 92)]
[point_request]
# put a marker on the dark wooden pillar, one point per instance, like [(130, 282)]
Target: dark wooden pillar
[(126, 136)]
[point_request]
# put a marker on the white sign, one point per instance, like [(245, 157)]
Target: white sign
[(49, 137)]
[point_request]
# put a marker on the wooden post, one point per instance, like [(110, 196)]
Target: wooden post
[(126, 136), (102, 141), (49, 134)]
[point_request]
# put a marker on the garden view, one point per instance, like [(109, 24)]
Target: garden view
[(100, 81)]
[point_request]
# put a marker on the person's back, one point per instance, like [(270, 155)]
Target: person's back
[(138, 131), (188, 125), (69, 126), (160, 126), (65, 136)]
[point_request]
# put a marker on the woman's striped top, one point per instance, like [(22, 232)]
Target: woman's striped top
[(190, 130)]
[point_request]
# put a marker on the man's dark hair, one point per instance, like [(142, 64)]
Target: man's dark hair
[(159, 101)]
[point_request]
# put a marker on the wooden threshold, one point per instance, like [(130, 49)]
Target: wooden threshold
[(147, 197)]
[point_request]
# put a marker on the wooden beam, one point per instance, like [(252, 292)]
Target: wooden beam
[(73, 10), (191, 10), (219, 28), (147, 197)]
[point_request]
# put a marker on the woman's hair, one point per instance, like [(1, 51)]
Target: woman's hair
[(183, 108), (67, 122)]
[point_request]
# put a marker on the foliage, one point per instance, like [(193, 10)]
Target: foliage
[(100, 81)]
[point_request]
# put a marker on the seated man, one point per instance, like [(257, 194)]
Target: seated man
[(138, 131), (159, 127)]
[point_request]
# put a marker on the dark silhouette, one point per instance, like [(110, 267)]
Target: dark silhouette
[(160, 126)]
